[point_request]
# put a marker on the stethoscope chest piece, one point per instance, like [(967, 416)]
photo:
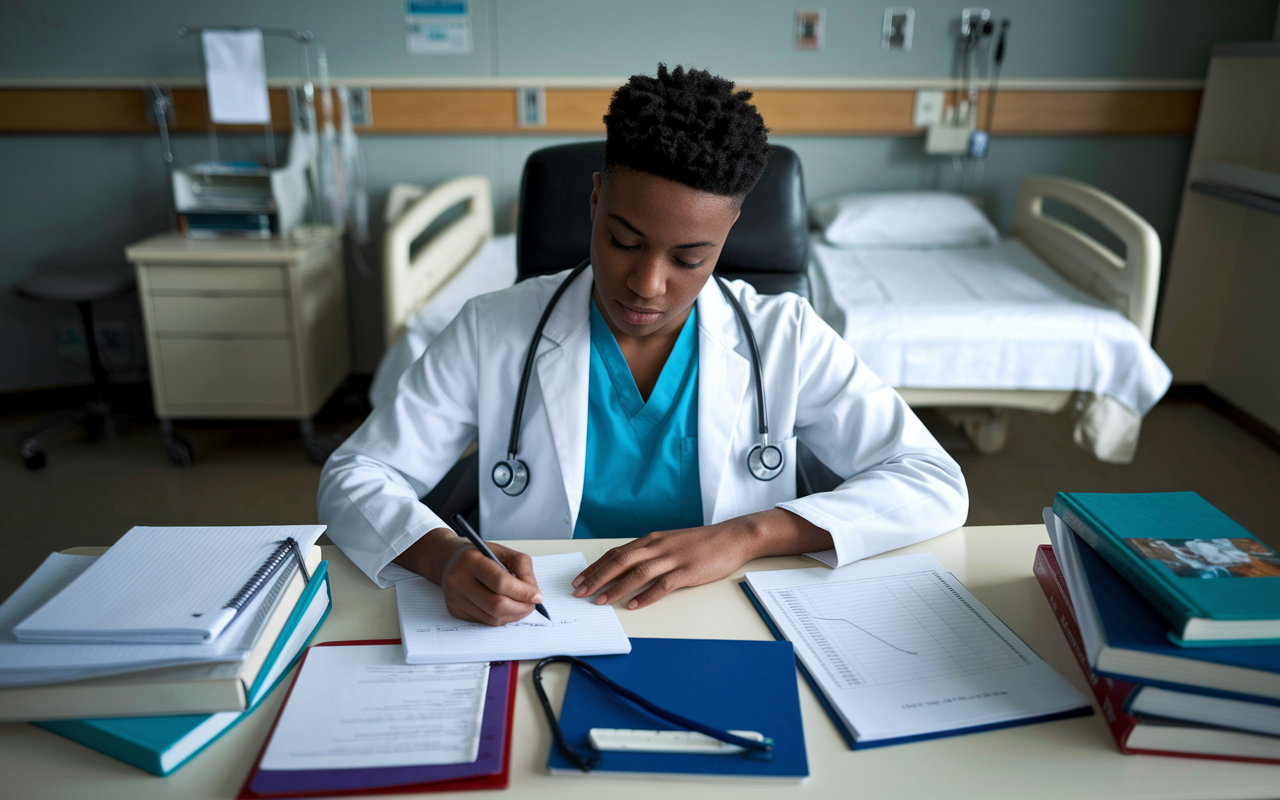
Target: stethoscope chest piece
[(765, 461), (511, 476)]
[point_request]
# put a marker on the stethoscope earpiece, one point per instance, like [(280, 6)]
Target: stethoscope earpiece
[(511, 476)]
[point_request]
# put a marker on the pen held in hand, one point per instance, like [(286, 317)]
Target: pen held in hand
[(463, 529)]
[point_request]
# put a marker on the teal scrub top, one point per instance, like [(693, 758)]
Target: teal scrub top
[(642, 457)]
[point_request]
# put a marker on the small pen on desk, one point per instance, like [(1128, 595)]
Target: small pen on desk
[(460, 525)]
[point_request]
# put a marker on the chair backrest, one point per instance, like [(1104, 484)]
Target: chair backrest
[(768, 246)]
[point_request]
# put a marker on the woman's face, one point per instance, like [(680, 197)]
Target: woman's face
[(654, 243)]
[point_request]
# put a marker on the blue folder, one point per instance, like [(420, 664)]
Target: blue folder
[(724, 683)]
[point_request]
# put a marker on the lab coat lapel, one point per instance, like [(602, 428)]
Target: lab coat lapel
[(723, 379), (563, 373)]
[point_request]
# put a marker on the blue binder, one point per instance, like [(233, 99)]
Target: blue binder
[(724, 683)]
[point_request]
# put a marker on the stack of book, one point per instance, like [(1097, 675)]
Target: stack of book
[(151, 668), (1172, 610)]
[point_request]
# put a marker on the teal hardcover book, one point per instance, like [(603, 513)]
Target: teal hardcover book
[(162, 744), (1216, 583)]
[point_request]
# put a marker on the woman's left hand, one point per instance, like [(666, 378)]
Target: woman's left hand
[(670, 560)]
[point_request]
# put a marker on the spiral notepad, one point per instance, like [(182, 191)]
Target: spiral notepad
[(169, 585)]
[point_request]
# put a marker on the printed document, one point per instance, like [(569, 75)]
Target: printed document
[(362, 707), (578, 626), (901, 649)]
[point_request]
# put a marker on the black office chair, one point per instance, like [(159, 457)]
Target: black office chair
[(768, 247)]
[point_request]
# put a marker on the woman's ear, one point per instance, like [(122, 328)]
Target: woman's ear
[(596, 180)]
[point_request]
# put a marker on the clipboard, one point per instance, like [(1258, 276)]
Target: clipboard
[(491, 770)]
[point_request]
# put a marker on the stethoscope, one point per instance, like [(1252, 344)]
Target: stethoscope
[(764, 461)]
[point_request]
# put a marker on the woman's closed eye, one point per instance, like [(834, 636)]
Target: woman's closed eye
[(622, 246)]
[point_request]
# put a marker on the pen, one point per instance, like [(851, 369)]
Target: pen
[(463, 529)]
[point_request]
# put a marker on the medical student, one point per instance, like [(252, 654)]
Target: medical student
[(640, 416)]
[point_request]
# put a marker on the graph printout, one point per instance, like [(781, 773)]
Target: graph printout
[(901, 649)]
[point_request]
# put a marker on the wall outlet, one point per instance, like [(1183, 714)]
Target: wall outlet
[(899, 25), (928, 107), (811, 29), (361, 109), (531, 107)]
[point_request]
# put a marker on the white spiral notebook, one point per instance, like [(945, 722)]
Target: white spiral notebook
[(169, 585)]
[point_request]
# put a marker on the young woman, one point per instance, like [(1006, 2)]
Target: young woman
[(640, 418)]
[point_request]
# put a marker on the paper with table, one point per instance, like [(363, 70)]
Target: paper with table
[(167, 585), (362, 707), (901, 650), (578, 626)]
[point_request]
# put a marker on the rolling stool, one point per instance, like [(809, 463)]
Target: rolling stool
[(81, 287)]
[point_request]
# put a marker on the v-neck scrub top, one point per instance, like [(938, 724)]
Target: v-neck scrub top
[(641, 470)]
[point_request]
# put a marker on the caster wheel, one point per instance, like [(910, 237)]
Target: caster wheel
[(320, 446), (35, 461), (179, 450)]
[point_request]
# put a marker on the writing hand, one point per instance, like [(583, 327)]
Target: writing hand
[(475, 588)]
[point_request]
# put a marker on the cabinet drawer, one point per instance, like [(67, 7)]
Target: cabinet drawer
[(229, 372), (216, 279), (177, 314)]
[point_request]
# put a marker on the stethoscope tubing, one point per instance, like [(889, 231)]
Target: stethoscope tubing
[(516, 473)]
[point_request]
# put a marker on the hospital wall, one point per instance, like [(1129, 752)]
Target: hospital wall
[(80, 198)]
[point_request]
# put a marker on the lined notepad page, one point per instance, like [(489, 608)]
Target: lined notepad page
[(161, 585), (578, 626)]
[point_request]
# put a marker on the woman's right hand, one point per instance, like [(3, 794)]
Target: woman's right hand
[(475, 588)]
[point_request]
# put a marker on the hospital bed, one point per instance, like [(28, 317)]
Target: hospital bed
[(1084, 293), (1029, 322)]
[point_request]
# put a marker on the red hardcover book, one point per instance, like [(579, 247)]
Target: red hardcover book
[(494, 780), (1113, 694)]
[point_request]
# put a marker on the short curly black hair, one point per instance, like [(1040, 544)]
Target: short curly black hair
[(688, 126)]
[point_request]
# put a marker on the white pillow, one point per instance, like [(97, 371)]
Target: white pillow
[(904, 219)]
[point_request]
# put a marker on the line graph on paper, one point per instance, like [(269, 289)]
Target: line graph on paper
[(877, 631)]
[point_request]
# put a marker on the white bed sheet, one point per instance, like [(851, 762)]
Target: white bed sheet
[(983, 318), (490, 269)]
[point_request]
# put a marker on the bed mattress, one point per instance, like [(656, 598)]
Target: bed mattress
[(982, 318), (492, 268)]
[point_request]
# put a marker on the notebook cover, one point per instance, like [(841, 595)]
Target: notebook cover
[(850, 736), (142, 741), (1146, 538), (1113, 694), (727, 684), (489, 771), (1131, 623)]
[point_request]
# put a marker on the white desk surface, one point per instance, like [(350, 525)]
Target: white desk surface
[(1070, 759)]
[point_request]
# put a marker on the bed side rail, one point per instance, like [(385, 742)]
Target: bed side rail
[(410, 279), (1128, 283)]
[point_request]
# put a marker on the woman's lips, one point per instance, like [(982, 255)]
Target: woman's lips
[(639, 316)]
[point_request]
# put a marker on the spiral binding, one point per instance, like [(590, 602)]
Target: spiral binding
[(259, 578)]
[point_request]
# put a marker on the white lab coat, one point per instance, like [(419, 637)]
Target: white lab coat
[(901, 486)]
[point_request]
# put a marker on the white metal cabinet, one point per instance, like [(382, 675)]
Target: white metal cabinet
[(243, 328)]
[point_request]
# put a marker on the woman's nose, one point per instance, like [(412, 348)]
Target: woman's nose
[(647, 279)]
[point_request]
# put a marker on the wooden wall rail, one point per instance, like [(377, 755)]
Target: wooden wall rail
[(826, 112)]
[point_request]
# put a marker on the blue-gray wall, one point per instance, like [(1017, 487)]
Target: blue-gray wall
[(70, 199)]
